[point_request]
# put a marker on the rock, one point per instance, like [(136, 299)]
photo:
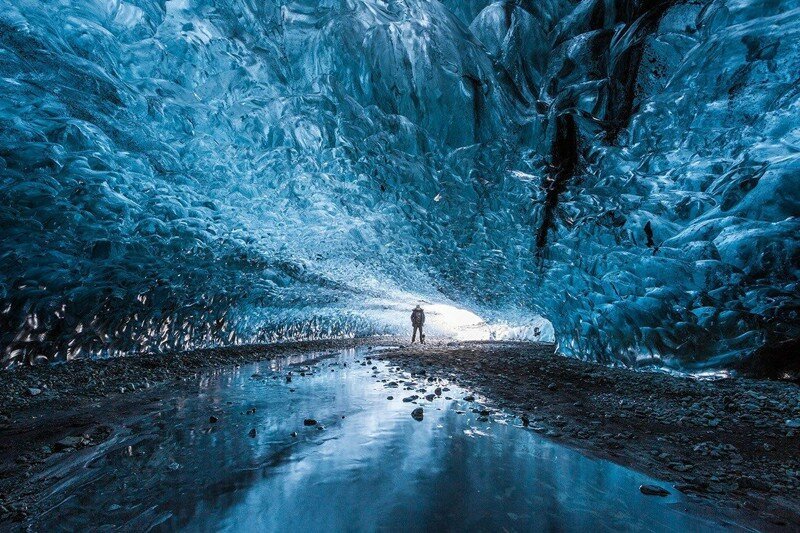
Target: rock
[(293, 433), (309, 422), (67, 443), (213, 419), (390, 397), (430, 397), (410, 398), (33, 391), (653, 490), (681, 467), (688, 488), (252, 433), (437, 391), (552, 386), (754, 483), (793, 423), (469, 398), (525, 420), (417, 414)]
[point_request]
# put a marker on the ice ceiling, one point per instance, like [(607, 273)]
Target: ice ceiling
[(188, 173)]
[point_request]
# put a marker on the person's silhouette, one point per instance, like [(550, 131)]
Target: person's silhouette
[(417, 320)]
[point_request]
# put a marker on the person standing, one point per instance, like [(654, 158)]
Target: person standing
[(417, 320)]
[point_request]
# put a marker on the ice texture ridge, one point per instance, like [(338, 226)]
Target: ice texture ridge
[(187, 173)]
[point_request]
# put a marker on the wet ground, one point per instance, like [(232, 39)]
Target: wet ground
[(131, 441), (729, 441), (235, 450)]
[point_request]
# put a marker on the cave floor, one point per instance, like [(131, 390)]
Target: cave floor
[(730, 445)]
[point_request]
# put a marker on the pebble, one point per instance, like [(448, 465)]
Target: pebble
[(417, 414), (33, 391), (213, 419), (681, 467), (309, 422), (653, 490), (67, 443), (252, 433)]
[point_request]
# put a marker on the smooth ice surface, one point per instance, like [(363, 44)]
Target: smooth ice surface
[(373, 467), (186, 173)]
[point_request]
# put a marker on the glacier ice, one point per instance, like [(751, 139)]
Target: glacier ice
[(189, 173)]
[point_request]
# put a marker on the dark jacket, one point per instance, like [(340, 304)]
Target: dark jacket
[(417, 317)]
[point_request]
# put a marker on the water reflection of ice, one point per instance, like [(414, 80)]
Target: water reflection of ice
[(373, 467)]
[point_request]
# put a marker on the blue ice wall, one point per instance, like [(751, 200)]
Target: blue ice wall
[(199, 172)]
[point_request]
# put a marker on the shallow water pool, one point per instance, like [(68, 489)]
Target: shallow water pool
[(366, 466)]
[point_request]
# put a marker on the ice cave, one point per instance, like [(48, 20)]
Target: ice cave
[(616, 179)]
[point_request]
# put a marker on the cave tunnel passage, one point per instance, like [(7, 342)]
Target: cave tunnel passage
[(173, 180)]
